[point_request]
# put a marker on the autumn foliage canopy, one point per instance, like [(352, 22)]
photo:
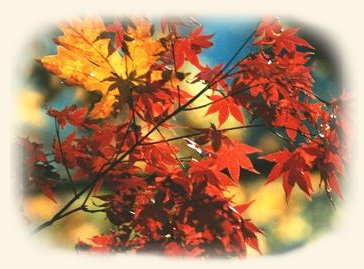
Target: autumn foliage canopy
[(156, 199)]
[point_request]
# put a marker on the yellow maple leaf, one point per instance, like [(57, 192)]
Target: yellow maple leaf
[(84, 58), (143, 49)]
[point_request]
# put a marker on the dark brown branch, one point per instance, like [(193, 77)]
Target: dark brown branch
[(308, 136), (62, 212)]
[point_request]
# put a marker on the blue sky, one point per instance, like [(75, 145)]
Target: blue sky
[(229, 34)]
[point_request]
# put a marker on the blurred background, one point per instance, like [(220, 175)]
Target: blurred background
[(286, 226)]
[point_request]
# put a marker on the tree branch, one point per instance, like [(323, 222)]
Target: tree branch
[(60, 213), (131, 105), (232, 93), (308, 136)]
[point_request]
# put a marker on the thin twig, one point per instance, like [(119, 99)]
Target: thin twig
[(172, 139), (308, 136), (234, 56), (63, 157), (93, 210), (179, 96), (131, 104), (281, 136), (318, 98), (174, 63), (171, 148), (232, 93)]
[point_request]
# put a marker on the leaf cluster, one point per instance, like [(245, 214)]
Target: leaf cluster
[(159, 200)]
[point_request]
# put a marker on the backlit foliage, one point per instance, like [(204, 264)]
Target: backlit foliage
[(156, 199)]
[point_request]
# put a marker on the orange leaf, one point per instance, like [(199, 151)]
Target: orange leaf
[(143, 49), (87, 60)]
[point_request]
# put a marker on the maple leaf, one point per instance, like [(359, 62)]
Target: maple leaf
[(156, 200), (249, 233), (286, 116), (189, 48), (233, 156), (69, 114), (159, 158), (225, 107), (43, 177), (269, 26), (209, 75), (85, 58), (287, 40), (204, 170), (329, 162), (32, 154), (295, 168), (272, 33), (144, 49), (210, 135)]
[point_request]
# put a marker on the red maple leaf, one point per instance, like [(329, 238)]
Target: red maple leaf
[(205, 170), (188, 48), (32, 153), (273, 34), (72, 115), (225, 107), (211, 135), (250, 237), (233, 156), (285, 116), (329, 162), (295, 168), (268, 27), (289, 41), (159, 158), (211, 76)]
